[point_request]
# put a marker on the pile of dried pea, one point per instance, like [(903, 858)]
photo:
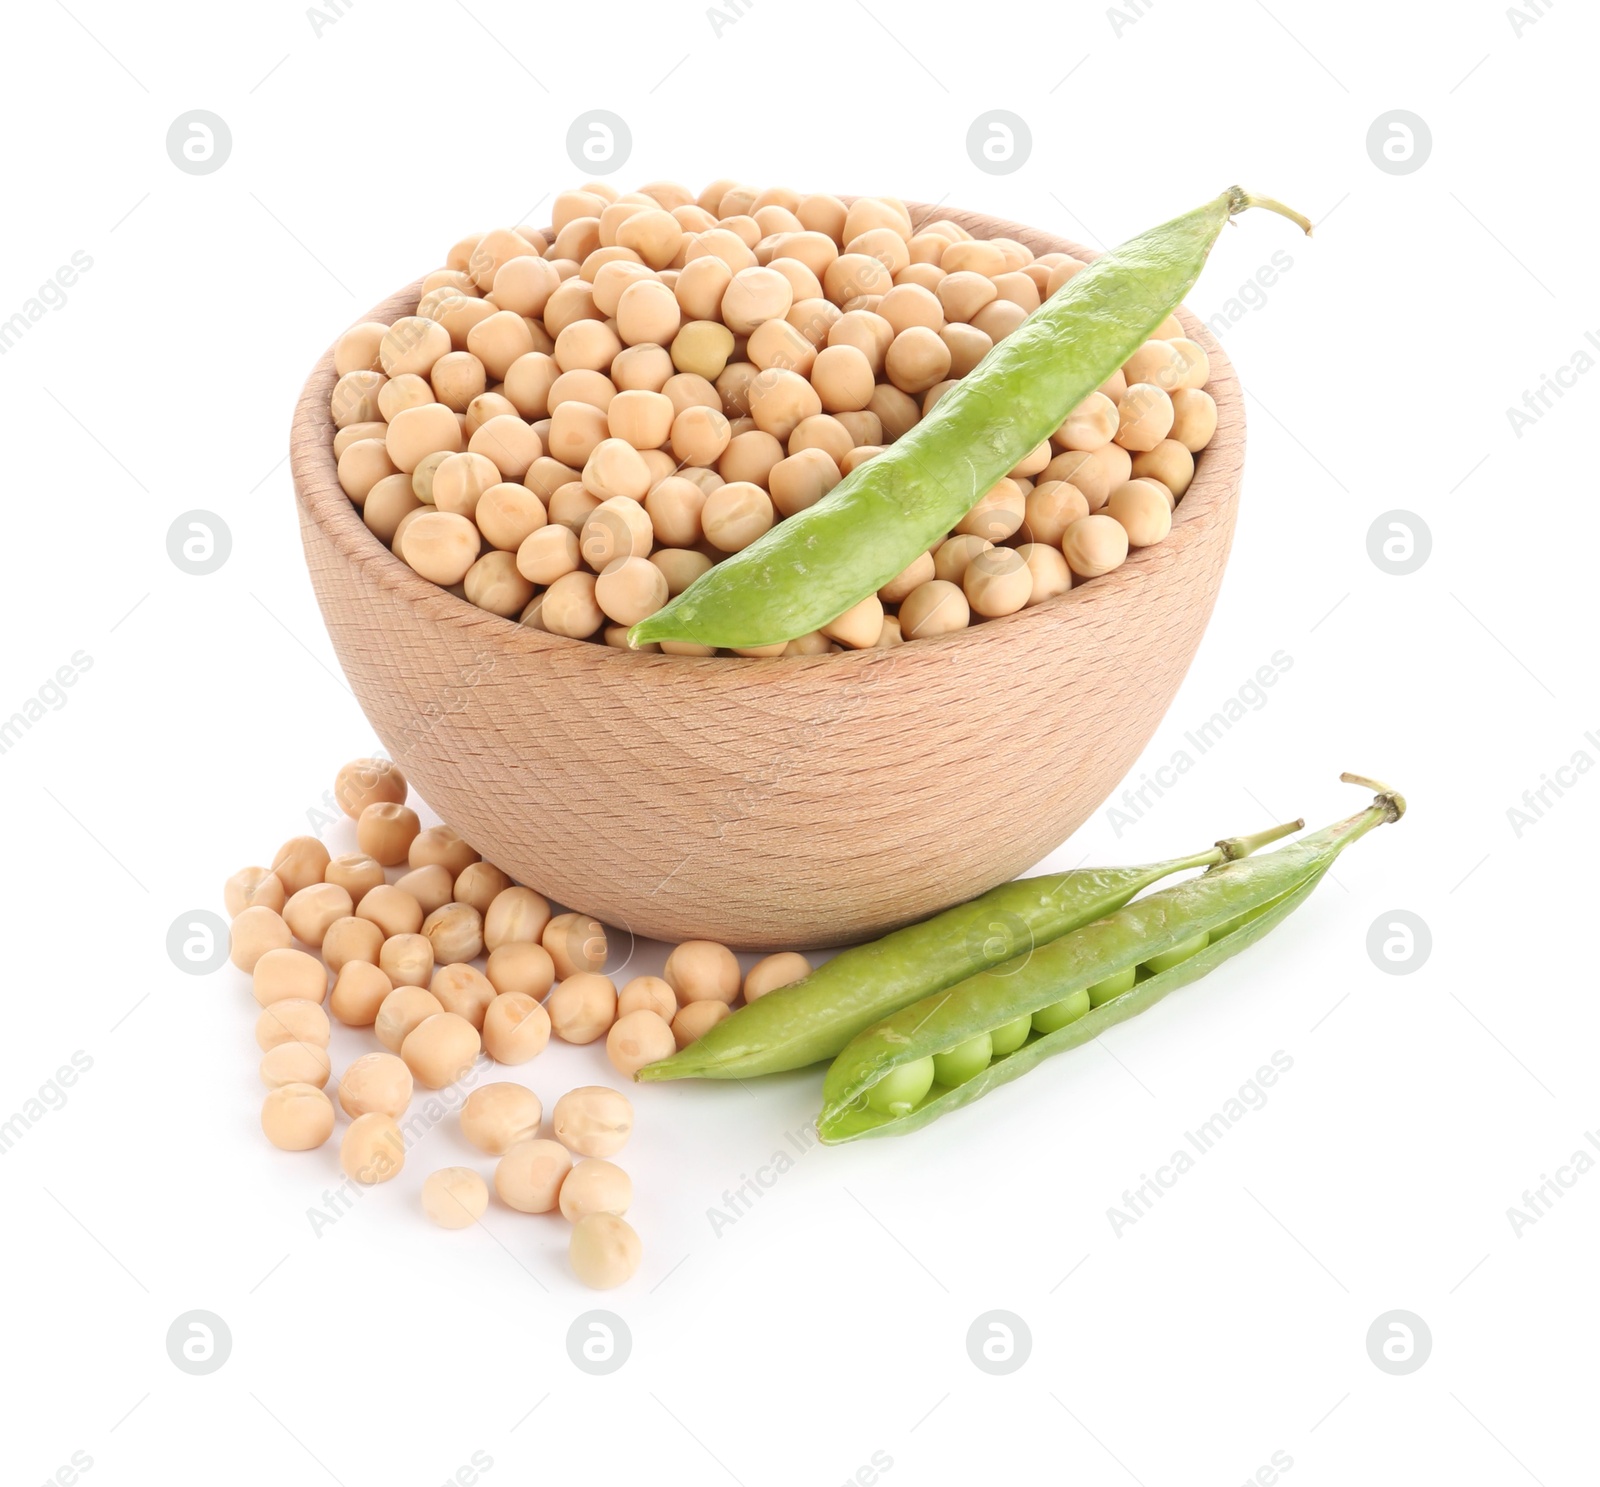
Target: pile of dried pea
[(404, 957), (569, 431)]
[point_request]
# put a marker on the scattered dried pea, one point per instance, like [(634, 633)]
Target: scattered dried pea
[(456, 933), (703, 971), (693, 1021), (440, 1049), (401, 1012), (604, 1251), (515, 914), (516, 1028), (479, 884), (373, 1150), (443, 845), (297, 1020), (582, 1007), (283, 975), (359, 992), (649, 994), (254, 932), (297, 1117), (520, 966), (351, 939), (456, 1197), (768, 974), (251, 887), (392, 909), (530, 1174), (375, 1082), (592, 1121), (638, 1038), (407, 960), (595, 1185), (310, 912), (300, 862), (357, 873), (385, 832), (496, 1117), (296, 1063), (575, 943), (464, 990)]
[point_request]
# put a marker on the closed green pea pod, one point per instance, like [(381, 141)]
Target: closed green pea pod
[(808, 570), (814, 1018), (1231, 906)]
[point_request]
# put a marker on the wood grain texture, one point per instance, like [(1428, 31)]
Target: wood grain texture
[(769, 804)]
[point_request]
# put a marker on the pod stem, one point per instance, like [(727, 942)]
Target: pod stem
[(1388, 797), (1239, 200), (1233, 848)]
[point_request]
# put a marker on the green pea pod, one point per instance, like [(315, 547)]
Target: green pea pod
[(1226, 909), (809, 569), (814, 1018)]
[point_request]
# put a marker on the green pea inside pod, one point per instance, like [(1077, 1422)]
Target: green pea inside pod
[(1059, 1014), (963, 1062), (1239, 923), (1010, 1036), (901, 1090), (1178, 954), (1113, 986)]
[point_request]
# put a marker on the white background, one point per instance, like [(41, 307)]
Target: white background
[(829, 1323)]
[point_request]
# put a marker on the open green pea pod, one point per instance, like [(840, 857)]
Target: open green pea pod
[(955, 1046)]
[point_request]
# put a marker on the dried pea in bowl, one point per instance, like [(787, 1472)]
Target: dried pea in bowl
[(812, 799)]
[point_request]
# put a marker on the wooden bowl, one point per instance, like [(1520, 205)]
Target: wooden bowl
[(769, 804)]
